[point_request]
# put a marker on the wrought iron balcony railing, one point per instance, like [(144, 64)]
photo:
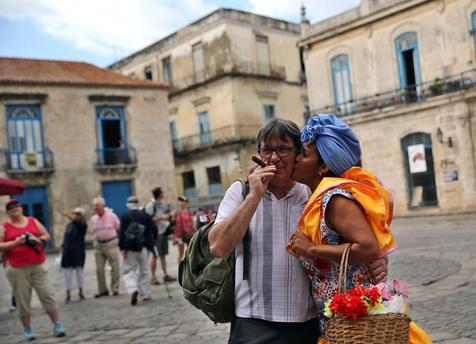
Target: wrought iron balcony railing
[(245, 68), (123, 156), (29, 161), (228, 134), (411, 94)]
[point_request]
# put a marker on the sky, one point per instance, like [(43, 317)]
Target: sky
[(104, 31)]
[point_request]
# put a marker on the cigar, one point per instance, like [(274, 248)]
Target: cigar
[(258, 161)]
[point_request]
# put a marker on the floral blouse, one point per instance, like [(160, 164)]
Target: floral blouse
[(324, 274)]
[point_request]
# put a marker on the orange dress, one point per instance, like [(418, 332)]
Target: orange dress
[(375, 199)]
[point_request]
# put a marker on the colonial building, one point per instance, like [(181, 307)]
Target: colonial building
[(402, 74), (229, 72), (72, 131)]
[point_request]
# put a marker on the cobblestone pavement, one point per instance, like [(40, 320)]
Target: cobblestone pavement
[(436, 257)]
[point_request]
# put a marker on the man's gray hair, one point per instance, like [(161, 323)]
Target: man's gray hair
[(99, 200)]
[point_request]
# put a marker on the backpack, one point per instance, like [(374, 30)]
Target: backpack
[(208, 282), (171, 226), (134, 236)]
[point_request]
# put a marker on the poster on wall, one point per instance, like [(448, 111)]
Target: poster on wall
[(417, 158)]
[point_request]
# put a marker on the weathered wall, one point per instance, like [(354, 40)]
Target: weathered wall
[(444, 43), (69, 129)]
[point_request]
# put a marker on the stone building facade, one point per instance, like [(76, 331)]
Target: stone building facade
[(72, 131), (229, 71), (402, 74)]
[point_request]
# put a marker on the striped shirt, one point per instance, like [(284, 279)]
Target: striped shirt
[(277, 289)]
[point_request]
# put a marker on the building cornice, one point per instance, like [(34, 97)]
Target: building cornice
[(222, 16), (316, 37), (23, 96)]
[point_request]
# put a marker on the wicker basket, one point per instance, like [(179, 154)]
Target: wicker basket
[(389, 328)]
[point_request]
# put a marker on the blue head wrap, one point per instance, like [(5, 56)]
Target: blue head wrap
[(336, 142)]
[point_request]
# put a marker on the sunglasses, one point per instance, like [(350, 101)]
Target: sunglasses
[(13, 206)]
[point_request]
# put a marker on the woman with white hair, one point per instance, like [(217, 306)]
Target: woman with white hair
[(73, 251)]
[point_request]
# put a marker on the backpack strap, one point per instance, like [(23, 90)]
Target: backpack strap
[(245, 190)]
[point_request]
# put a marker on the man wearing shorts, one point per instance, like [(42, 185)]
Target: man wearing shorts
[(160, 215)]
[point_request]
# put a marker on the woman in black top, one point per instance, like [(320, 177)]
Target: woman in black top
[(74, 252)]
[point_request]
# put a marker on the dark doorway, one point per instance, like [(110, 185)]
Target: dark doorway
[(410, 74), (111, 136)]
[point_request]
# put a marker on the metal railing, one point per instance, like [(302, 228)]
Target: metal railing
[(29, 161), (222, 135), (411, 94), (116, 156), (244, 68)]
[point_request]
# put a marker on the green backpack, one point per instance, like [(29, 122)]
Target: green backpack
[(208, 282)]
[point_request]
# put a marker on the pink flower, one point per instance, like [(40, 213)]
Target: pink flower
[(384, 290), (401, 288)]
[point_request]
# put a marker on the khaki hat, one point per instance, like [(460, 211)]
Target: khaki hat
[(79, 210)]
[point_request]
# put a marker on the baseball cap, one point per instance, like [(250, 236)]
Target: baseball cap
[(182, 198), (11, 203), (79, 210), (132, 199)]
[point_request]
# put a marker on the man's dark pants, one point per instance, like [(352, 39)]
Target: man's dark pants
[(257, 331)]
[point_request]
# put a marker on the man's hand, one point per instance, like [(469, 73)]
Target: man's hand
[(379, 270), (124, 254), (260, 178)]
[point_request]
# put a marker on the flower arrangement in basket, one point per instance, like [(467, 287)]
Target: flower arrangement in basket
[(370, 315), (361, 301)]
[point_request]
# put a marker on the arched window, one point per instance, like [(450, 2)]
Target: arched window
[(408, 63), (418, 157), (25, 136), (341, 83), (112, 138)]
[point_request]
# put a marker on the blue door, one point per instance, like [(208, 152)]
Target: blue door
[(35, 203), (116, 193), (111, 128), (473, 22), (408, 64)]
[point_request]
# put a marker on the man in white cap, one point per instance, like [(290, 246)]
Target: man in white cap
[(135, 238)]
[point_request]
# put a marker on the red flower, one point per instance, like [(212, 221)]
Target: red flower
[(348, 306), (371, 295), (322, 265)]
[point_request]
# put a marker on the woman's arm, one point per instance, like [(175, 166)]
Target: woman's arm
[(6, 245), (348, 219), (44, 235), (68, 215)]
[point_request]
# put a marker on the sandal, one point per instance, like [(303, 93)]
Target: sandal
[(154, 281)]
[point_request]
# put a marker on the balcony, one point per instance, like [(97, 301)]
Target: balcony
[(214, 138), (28, 163), (113, 160), (412, 94), (246, 69)]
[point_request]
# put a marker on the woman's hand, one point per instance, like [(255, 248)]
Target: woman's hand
[(302, 245), (19, 240)]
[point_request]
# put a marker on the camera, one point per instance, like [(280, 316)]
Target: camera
[(28, 240)]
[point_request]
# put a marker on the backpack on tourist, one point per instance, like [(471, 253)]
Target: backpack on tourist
[(208, 282), (134, 236)]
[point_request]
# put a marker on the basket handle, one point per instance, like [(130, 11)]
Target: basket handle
[(343, 268)]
